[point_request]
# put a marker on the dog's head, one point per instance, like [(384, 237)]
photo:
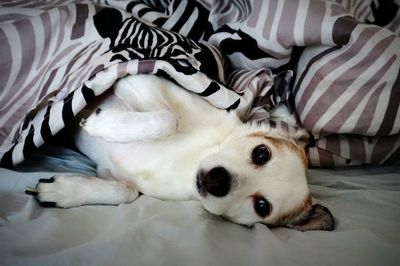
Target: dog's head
[(259, 176)]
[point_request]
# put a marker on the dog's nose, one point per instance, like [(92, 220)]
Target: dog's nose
[(217, 181)]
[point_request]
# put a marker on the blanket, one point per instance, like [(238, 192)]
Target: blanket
[(326, 60)]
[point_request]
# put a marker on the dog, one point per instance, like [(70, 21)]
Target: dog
[(148, 135)]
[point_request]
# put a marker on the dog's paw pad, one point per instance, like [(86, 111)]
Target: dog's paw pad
[(47, 180), (48, 204)]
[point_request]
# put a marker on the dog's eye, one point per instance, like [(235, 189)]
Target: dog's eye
[(262, 207), (260, 155)]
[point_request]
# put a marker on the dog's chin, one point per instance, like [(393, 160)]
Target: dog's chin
[(210, 208)]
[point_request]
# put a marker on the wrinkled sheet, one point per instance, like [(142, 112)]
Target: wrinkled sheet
[(365, 202)]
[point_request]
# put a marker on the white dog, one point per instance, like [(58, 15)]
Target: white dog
[(148, 135)]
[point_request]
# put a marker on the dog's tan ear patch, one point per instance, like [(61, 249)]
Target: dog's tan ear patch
[(319, 218), (303, 138)]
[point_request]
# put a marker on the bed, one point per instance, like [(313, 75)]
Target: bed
[(334, 64), (364, 200)]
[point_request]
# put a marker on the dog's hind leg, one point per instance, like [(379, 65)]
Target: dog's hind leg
[(121, 126), (66, 191)]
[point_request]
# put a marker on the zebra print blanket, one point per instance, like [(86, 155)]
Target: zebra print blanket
[(338, 73)]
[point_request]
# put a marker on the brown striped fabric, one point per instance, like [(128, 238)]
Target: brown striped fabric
[(334, 64)]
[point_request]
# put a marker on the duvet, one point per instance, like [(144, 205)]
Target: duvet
[(335, 64)]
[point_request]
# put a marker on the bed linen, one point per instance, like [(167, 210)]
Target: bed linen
[(326, 60), (364, 200), (251, 56)]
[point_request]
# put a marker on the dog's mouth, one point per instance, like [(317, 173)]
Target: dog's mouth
[(201, 188)]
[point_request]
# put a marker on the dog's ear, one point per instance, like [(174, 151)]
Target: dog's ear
[(303, 138), (300, 135), (319, 218)]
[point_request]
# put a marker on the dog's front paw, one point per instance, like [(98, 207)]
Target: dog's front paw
[(65, 191), (58, 191)]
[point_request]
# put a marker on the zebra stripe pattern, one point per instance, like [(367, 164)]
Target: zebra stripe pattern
[(342, 84), (81, 79)]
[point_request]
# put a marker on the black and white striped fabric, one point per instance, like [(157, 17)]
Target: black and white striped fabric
[(336, 71)]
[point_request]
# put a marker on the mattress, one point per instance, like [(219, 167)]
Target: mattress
[(364, 200)]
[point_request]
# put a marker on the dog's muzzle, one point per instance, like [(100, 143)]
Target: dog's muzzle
[(217, 182)]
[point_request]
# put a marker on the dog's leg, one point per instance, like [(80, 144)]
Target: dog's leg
[(66, 191), (115, 125)]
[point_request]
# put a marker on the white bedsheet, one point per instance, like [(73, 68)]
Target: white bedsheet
[(365, 203)]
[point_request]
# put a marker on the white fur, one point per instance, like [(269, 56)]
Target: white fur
[(153, 125), (154, 137), (71, 191)]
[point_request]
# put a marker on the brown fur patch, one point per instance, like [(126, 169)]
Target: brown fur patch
[(297, 213)]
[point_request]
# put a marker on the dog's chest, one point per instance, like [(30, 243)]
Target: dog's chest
[(163, 169)]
